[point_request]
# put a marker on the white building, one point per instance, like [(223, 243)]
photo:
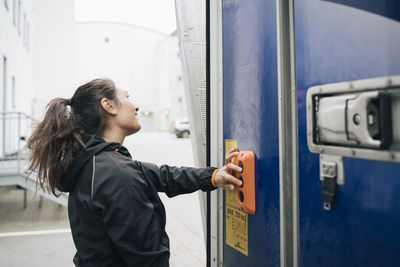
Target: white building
[(44, 54), (53, 54), (36, 62), (142, 61), (36, 53), (171, 97), (16, 26)]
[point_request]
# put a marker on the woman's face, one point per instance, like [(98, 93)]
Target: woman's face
[(127, 116)]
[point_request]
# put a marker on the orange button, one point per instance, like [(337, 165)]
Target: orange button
[(246, 194)]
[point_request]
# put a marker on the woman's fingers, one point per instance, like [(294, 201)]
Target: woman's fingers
[(231, 154), (232, 150), (229, 179), (226, 178), (228, 187), (233, 167)]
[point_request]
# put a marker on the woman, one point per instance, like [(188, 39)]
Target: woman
[(115, 213)]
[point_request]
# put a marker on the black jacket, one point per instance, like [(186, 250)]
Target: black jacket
[(116, 216)]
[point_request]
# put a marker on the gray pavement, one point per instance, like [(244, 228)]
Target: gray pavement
[(26, 237)]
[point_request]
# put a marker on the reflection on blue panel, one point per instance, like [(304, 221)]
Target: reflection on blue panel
[(336, 43), (386, 8), (251, 117)]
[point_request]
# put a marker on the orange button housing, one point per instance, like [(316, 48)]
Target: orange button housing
[(246, 194)]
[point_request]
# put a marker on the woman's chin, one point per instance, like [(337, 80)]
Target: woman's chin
[(136, 129)]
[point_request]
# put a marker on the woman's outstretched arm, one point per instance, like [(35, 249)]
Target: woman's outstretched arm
[(182, 180)]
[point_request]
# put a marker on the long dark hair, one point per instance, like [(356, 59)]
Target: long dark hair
[(58, 138)]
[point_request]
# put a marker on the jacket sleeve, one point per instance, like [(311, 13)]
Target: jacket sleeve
[(178, 180), (131, 224)]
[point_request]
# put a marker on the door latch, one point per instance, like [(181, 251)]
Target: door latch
[(358, 119)]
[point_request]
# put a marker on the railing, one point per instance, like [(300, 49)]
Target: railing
[(15, 129)]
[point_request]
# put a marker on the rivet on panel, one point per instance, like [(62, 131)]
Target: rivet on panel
[(356, 119), (327, 206)]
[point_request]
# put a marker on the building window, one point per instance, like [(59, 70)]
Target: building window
[(27, 35), (13, 93), (15, 12), (19, 17), (4, 95), (24, 30), (6, 4)]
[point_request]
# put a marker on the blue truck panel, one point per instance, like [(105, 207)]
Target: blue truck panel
[(251, 116), (339, 41)]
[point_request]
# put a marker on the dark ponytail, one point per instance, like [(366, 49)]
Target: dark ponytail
[(58, 138)]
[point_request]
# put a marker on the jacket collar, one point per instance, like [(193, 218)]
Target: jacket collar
[(93, 146)]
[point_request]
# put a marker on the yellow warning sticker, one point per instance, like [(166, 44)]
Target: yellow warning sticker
[(231, 198), (236, 229), (236, 221)]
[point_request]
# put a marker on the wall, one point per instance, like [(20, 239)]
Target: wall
[(139, 60), (53, 59), (171, 96), (16, 46), (36, 40)]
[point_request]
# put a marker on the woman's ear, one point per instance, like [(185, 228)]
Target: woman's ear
[(109, 106)]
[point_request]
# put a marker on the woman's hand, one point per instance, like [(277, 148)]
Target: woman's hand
[(223, 177)]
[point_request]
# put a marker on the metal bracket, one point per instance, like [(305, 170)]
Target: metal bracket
[(324, 161), (331, 174)]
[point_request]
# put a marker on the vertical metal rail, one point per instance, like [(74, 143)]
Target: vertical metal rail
[(19, 143), (191, 33), (208, 143), (3, 135), (288, 132), (4, 96), (191, 24), (216, 128)]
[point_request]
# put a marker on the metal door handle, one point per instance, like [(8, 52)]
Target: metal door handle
[(361, 119)]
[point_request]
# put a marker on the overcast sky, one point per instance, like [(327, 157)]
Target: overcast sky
[(154, 14)]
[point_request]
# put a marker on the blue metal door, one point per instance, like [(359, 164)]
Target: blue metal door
[(339, 41), (250, 114)]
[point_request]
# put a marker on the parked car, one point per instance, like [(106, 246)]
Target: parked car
[(181, 128)]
